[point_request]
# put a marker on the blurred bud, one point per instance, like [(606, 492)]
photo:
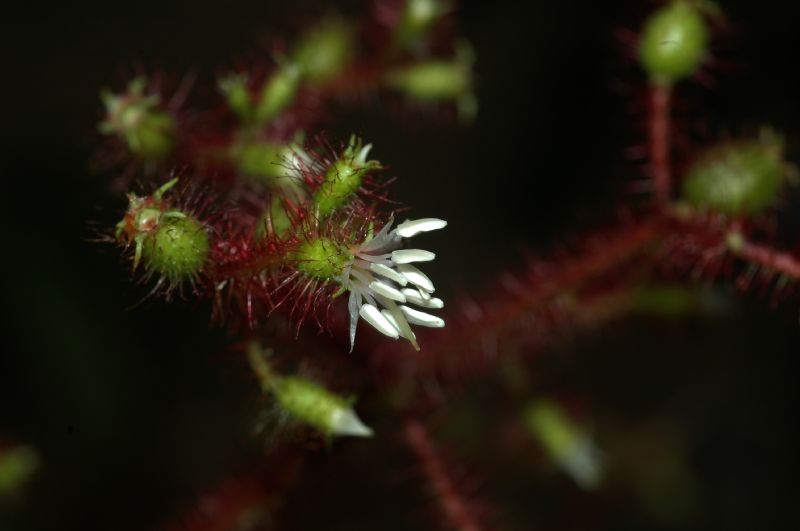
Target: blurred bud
[(149, 132), (416, 19), (325, 51), (237, 95), (673, 42), (18, 464), (439, 81), (740, 177), (278, 92), (565, 442)]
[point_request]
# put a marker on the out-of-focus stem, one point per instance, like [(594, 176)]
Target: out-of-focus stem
[(660, 145), (454, 508)]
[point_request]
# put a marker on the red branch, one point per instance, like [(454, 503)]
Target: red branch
[(659, 126), (765, 256), (453, 506)]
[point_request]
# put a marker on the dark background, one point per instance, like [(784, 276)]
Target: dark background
[(136, 411)]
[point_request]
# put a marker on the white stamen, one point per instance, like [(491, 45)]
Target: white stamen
[(421, 318), (413, 296), (373, 316), (416, 277), (405, 256), (387, 291), (410, 228), (388, 272)]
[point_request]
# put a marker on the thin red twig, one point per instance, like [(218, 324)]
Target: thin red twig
[(453, 506)]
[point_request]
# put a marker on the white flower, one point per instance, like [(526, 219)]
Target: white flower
[(382, 282)]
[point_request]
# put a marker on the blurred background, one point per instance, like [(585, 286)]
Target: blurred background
[(134, 412)]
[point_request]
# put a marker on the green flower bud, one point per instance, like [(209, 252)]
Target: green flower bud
[(736, 178), (327, 412), (323, 258), (325, 51), (344, 177), (674, 42), (149, 132), (305, 400), (417, 18), (277, 164), (278, 93), (439, 81), (565, 442), (17, 466), (177, 248), (237, 95)]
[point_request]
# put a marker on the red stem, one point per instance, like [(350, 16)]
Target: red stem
[(779, 261), (454, 508), (660, 125)]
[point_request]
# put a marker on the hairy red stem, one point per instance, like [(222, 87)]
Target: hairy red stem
[(660, 130), (781, 262), (453, 506)]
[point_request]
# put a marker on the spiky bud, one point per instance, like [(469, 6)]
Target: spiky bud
[(177, 248), (674, 42), (738, 178), (344, 177), (323, 258), (148, 131)]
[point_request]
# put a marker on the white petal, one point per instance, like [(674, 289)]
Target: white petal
[(346, 422), (416, 297), (387, 291), (373, 316), (421, 318), (388, 272), (416, 277), (410, 228), (407, 333), (352, 307), (405, 256)]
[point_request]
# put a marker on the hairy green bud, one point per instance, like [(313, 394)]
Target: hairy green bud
[(735, 178), (178, 247), (323, 258), (674, 42), (344, 177)]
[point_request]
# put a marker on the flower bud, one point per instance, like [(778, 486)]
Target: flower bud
[(416, 19), (148, 131), (438, 81), (565, 442), (327, 412), (323, 258), (673, 42), (177, 248), (737, 178), (325, 51), (237, 95), (17, 465), (278, 93), (344, 177)]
